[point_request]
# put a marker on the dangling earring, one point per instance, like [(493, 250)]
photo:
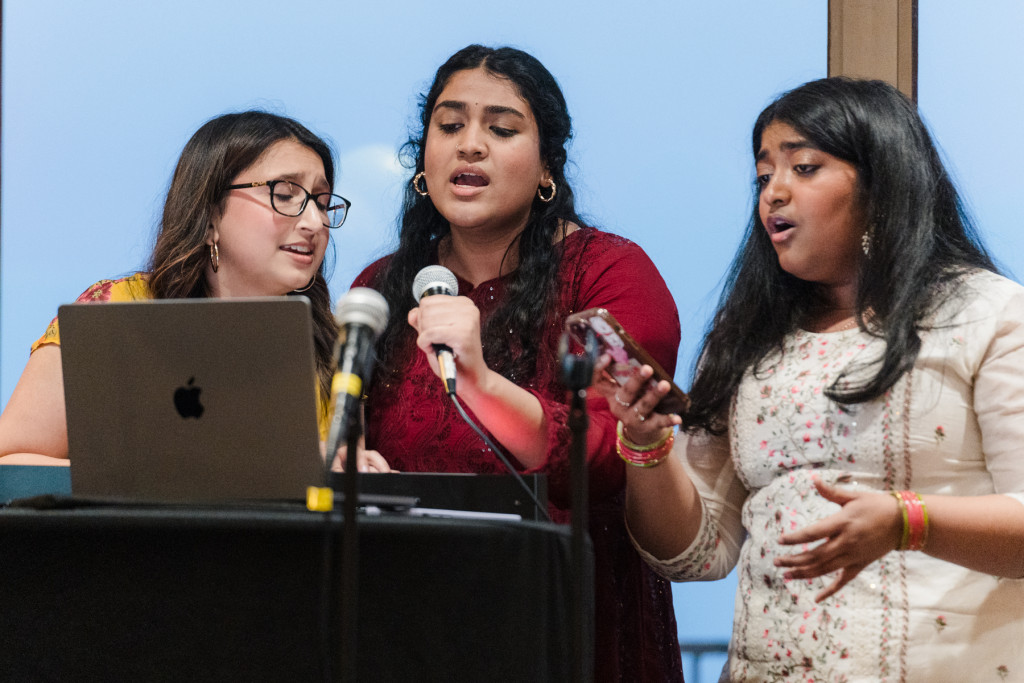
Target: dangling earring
[(865, 243), (551, 196), (311, 283), (214, 257), (416, 184)]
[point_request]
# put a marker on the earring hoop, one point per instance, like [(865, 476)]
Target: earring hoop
[(214, 257), (554, 189), (416, 184), (311, 283)]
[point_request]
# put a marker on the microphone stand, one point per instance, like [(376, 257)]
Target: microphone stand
[(350, 553), (349, 611), (577, 372), (362, 315)]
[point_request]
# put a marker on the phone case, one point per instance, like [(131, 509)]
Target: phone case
[(625, 352)]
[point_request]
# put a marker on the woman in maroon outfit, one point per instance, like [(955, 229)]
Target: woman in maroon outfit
[(490, 202)]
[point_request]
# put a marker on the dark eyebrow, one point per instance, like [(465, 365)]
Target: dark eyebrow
[(788, 147), (297, 179), (450, 104), (493, 109), (496, 109)]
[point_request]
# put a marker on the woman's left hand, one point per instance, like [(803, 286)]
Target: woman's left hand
[(633, 403), (366, 461), (868, 526)]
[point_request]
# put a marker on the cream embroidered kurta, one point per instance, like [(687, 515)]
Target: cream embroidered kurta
[(953, 425)]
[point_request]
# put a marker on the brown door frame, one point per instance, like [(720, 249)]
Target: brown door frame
[(874, 39)]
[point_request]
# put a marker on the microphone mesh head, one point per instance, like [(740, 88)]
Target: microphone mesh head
[(434, 277), (363, 306)]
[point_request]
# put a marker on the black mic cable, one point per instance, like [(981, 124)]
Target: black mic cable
[(501, 456)]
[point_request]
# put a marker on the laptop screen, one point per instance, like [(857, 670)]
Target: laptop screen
[(195, 400)]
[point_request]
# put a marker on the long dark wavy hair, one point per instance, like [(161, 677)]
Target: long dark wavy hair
[(215, 155), (921, 239), (532, 285)]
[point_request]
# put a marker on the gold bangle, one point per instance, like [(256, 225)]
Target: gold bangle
[(639, 448)]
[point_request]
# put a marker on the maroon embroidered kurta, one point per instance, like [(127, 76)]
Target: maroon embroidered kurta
[(412, 424)]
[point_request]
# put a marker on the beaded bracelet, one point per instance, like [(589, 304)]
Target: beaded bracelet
[(915, 520)]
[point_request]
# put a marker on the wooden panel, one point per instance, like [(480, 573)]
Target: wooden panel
[(874, 39)]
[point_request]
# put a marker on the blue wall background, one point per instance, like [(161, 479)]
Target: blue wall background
[(99, 98)]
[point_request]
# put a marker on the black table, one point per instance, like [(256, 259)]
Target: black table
[(117, 593)]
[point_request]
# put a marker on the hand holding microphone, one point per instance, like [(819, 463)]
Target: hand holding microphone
[(444, 321)]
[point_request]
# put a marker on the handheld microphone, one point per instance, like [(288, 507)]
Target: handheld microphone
[(439, 280), (362, 315)]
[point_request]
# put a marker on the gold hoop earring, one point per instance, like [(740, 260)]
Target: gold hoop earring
[(214, 257), (311, 283), (554, 189), (416, 184)]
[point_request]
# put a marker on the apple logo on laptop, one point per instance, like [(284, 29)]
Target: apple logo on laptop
[(186, 400)]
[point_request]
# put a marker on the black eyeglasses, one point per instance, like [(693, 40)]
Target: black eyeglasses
[(290, 199)]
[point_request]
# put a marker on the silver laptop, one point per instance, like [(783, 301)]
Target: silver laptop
[(189, 401)]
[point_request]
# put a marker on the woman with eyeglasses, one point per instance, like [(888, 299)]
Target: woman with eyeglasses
[(248, 213), (489, 200)]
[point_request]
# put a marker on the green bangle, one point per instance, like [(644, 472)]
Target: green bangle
[(645, 458), (620, 431), (905, 536)]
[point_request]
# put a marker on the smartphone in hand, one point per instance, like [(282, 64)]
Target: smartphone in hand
[(625, 352)]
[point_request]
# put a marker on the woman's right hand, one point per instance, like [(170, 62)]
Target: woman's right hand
[(453, 321), (633, 402)]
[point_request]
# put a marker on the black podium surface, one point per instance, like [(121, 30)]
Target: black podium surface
[(237, 594)]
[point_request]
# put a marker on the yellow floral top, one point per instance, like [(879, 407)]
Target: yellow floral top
[(131, 288), (136, 288)]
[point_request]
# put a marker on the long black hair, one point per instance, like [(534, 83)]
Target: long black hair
[(532, 285), (920, 238), (214, 156)]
